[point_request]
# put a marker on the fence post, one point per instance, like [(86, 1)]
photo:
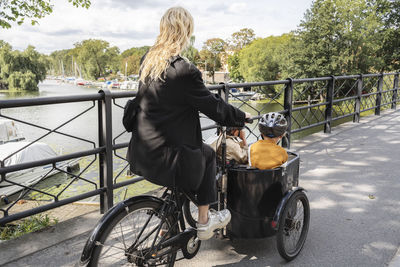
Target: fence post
[(225, 92), (395, 90), (357, 104), (379, 96), (328, 108), (105, 158), (288, 106)]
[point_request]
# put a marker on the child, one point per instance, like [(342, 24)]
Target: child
[(236, 145), (266, 154)]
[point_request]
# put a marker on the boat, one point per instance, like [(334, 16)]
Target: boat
[(115, 85), (80, 82), (13, 153), (14, 149), (129, 85), (241, 95), (9, 132)]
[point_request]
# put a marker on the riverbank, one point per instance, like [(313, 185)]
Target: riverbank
[(62, 213)]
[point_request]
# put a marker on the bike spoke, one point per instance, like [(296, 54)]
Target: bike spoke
[(294, 228), (134, 239)]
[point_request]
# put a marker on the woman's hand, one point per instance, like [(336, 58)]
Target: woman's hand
[(248, 118)]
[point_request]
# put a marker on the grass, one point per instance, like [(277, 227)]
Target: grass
[(31, 224)]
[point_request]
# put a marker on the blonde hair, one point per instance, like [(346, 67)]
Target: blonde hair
[(176, 27)]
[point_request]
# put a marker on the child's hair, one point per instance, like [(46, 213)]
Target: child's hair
[(230, 130), (272, 124)]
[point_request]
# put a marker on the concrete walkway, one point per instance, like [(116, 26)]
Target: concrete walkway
[(353, 180)]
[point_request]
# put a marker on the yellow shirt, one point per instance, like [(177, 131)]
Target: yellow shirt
[(265, 154)]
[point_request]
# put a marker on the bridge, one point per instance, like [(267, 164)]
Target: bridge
[(352, 178)]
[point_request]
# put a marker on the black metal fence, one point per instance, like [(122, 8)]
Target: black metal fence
[(308, 104)]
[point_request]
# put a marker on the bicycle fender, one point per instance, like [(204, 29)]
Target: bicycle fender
[(281, 206), (105, 220)]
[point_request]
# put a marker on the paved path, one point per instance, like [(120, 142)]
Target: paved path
[(353, 182)]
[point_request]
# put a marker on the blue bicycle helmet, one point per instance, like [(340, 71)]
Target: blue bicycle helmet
[(272, 124)]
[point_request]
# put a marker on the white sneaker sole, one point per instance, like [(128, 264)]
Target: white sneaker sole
[(205, 235)]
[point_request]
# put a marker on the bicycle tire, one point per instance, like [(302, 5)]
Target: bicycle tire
[(191, 212), (140, 213), (294, 217)]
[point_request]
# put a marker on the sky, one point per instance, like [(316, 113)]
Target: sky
[(130, 23)]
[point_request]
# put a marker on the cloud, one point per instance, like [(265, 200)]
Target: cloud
[(135, 23), (136, 4), (65, 32)]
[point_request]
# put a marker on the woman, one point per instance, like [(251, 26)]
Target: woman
[(166, 147)]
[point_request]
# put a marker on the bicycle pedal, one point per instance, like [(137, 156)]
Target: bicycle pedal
[(218, 233)]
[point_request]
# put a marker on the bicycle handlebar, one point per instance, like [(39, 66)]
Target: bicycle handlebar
[(248, 120)]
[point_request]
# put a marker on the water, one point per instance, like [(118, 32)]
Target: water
[(78, 135), (82, 134)]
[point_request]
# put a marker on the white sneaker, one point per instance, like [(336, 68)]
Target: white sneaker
[(216, 220)]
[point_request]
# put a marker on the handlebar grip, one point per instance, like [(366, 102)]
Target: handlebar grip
[(248, 120)]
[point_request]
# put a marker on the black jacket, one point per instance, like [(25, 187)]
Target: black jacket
[(166, 144)]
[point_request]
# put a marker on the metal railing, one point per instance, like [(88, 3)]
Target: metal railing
[(307, 104)]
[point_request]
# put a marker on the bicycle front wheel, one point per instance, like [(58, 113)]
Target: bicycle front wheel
[(129, 238), (191, 212)]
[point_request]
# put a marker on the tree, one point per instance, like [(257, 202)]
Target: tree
[(19, 10), (63, 62), (97, 58), (262, 59), (132, 64), (233, 67), (131, 58), (240, 39), (389, 12), (236, 43), (21, 70), (135, 51), (337, 37), (210, 55), (191, 53)]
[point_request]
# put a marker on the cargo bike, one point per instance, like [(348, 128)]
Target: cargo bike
[(151, 231)]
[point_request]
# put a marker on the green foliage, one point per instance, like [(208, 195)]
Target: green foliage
[(389, 12), (262, 59), (96, 58), (135, 51), (241, 39), (191, 53), (22, 81), (21, 70), (62, 62), (210, 55), (133, 56), (233, 67), (235, 44), (19, 10), (29, 225), (337, 37)]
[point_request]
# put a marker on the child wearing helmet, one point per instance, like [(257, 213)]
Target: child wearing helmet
[(266, 154), (236, 145)]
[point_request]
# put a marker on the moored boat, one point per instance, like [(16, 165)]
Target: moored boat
[(14, 153)]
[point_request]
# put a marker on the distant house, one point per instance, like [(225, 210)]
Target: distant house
[(219, 77)]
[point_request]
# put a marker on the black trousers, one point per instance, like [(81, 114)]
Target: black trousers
[(207, 191)]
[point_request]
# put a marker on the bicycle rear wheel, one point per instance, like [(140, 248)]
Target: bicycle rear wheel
[(128, 239), (293, 226)]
